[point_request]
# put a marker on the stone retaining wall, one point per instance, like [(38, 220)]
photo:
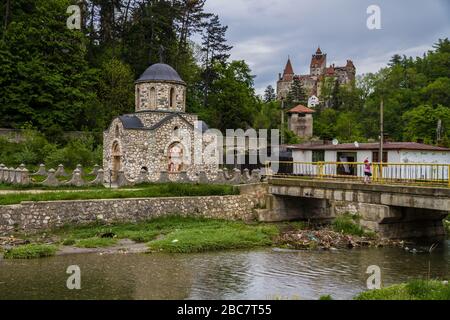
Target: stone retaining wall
[(39, 216)]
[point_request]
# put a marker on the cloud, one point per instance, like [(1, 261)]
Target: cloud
[(265, 32)]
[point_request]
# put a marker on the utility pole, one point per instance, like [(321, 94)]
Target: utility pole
[(282, 121), (380, 156), (439, 131)]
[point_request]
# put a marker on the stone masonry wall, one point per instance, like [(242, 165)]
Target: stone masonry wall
[(39, 216), (144, 100)]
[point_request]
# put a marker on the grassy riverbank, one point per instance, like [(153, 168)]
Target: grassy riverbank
[(413, 290), (143, 191), (169, 235), (31, 251), (188, 235)]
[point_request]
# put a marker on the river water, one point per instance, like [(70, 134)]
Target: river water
[(261, 274)]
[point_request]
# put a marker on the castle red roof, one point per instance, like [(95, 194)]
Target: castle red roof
[(301, 109), (330, 71), (288, 69)]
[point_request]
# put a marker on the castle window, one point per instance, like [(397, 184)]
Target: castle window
[(172, 98), (117, 132), (138, 96), (152, 97)]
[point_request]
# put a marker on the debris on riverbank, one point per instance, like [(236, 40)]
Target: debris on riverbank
[(327, 239)]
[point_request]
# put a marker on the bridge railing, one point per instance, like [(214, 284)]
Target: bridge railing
[(409, 173)]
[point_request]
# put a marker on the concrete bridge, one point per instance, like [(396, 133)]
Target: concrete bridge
[(394, 211)]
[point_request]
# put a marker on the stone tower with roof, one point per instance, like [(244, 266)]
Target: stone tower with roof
[(160, 136), (301, 121)]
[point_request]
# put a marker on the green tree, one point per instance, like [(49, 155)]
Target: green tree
[(45, 78), (232, 97), (297, 94), (269, 94), (421, 123), (116, 90), (268, 115)]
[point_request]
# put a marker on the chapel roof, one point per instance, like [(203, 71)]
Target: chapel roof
[(160, 72)]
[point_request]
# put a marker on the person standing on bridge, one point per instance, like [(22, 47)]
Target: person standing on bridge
[(367, 171)]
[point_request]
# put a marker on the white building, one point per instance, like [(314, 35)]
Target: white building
[(401, 159), (313, 102)]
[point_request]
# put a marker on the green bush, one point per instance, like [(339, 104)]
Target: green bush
[(77, 151), (36, 149), (347, 224), (30, 251), (413, 290)]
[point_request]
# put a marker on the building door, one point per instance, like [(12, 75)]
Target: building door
[(347, 168), (116, 161)]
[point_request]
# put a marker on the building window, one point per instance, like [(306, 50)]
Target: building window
[(117, 132), (153, 97), (138, 96), (176, 132), (172, 98), (318, 156), (376, 158)]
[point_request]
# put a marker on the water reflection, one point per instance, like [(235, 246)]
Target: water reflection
[(262, 274)]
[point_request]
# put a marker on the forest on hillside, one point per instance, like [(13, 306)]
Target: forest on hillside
[(53, 79)]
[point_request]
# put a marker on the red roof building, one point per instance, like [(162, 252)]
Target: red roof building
[(300, 109)]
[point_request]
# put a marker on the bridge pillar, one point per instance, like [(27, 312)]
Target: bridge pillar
[(287, 208), (395, 222)]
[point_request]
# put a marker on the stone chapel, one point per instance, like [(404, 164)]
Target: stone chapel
[(160, 135)]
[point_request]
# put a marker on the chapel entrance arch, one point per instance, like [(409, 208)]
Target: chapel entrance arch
[(116, 155)]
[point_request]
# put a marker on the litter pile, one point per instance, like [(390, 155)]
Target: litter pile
[(327, 239), (12, 241)]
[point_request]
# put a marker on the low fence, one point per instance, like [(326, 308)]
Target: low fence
[(78, 178), (409, 173)]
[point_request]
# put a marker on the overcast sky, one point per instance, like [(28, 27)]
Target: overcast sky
[(266, 32)]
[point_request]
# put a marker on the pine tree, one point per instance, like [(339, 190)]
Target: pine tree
[(215, 49), (297, 94), (269, 94), (191, 20)]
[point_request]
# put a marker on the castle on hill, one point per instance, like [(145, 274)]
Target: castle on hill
[(312, 82)]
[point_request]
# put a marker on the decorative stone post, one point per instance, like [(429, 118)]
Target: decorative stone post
[(77, 179), (183, 177), (202, 177), (60, 172), (41, 171), (51, 180), (25, 177), (95, 170), (99, 180), (163, 177)]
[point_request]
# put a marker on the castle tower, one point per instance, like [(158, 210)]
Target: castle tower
[(288, 74), (351, 70), (160, 88), (318, 63), (285, 81)]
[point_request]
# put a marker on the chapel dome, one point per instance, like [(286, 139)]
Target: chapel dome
[(160, 72)]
